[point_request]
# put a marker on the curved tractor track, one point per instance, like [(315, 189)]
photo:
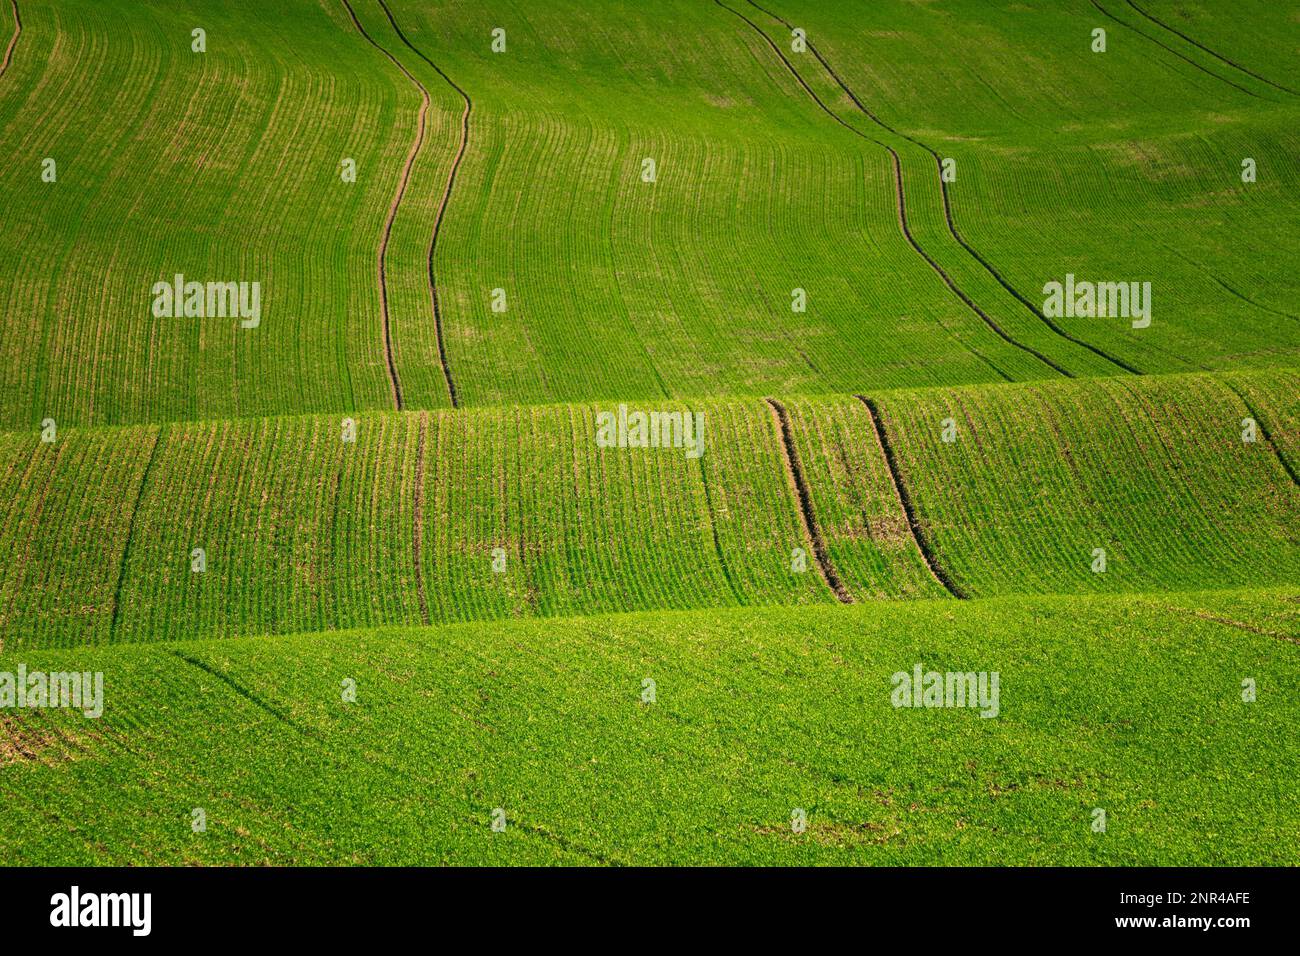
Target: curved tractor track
[(803, 497), (902, 211), (905, 500), (402, 183), (13, 41), (442, 204), (1205, 49), (1168, 49), (947, 208)]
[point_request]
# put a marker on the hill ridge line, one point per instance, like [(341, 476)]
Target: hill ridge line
[(905, 499), (442, 204), (902, 214), (685, 400), (1154, 598), (947, 206), (803, 498)]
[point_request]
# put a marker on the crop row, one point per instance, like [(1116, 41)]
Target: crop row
[(281, 525), (561, 272), (1112, 485)]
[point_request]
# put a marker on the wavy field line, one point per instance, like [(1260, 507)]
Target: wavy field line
[(1213, 53), (392, 209), (130, 531), (442, 204), (1169, 49), (902, 210), (13, 41), (1264, 432), (794, 472), (905, 501), (947, 209)]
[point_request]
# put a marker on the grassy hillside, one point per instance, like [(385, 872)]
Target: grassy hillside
[(223, 165), (511, 512), (1122, 165), (522, 171), (435, 517), (484, 238), (1153, 471), (1131, 705)]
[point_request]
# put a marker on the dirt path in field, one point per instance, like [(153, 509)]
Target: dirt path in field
[(947, 209), (1206, 49), (13, 41), (417, 520), (392, 207), (807, 517), (1169, 49), (902, 208), (905, 502), (442, 204)]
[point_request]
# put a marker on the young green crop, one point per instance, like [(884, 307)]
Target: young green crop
[(1038, 479), (755, 713)]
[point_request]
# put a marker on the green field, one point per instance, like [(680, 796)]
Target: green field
[(820, 234), (1128, 704)]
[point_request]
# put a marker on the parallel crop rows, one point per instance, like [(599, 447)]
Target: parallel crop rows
[(221, 166), (774, 171), (1153, 471), (857, 506), (1099, 164), (522, 513)]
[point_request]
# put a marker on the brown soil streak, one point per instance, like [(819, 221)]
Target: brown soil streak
[(794, 471), (905, 501), (13, 41), (442, 204), (392, 208)]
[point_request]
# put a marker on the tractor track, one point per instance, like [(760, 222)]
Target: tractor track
[(807, 517), (947, 206), (1218, 56), (13, 41), (394, 380), (900, 492), (1264, 432), (902, 213), (1169, 49), (442, 204), (130, 534)]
